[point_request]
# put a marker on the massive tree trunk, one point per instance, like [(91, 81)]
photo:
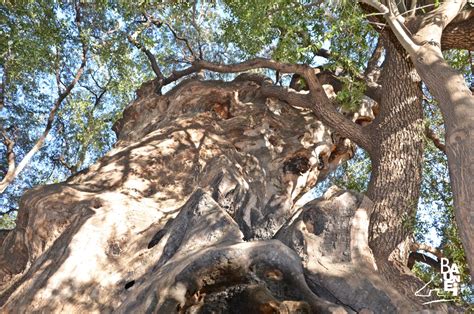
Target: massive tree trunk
[(397, 163), (395, 182), (195, 211)]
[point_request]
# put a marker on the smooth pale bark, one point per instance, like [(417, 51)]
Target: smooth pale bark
[(456, 103), (457, 107)]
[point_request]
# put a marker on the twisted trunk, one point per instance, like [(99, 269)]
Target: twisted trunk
[(168, 220), (194, 211)]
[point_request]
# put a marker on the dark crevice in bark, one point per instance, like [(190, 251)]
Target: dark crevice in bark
[(129, 284)]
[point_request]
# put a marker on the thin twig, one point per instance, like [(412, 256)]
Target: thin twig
[(183, 39)]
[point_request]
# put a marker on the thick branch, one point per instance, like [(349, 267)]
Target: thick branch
[(319, 102), (176, 75), (419, 257), (253, 64), (433, 24), (372, 74), (427, 248), (459, 34), (372, 66), (400, 31), (55, 108), (323, 53), (327, 114), (331, 117)]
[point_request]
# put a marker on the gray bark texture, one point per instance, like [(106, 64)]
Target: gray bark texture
[(196, 210)]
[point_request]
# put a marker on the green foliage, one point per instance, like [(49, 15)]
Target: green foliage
[(7, 221), (296, 31), (350, 97), (436, 213), (354, 174)]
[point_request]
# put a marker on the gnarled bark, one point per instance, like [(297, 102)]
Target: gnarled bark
[(170, 218), (194, 211)]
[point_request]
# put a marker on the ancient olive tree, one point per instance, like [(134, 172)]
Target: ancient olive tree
[(197, 207)]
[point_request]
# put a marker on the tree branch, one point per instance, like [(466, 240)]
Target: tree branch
[(154, 65), (185, 40), (459, 34), (436, 140), (10, 144), (374, 59), (419, 257), (198, 29), (319, 102), (400, 31), (427, 248), (3, 85), (423, 258), (412, 10)]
